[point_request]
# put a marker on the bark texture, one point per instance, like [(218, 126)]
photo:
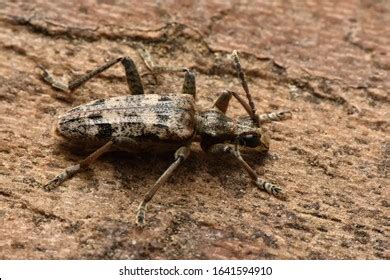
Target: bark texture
[(327, 61)]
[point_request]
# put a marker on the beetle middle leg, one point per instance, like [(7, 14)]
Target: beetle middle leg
[(189, 85), (132, 76), (71, 170), (180, 155), (153, 68), (233, 150)]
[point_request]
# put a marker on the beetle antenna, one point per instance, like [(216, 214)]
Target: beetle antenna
[(243, 103), (241, 75)]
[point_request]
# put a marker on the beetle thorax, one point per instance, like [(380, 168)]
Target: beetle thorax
[(214, 127), (214, 124)]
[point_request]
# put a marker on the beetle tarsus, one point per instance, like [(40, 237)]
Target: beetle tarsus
[(71, 170), (62, 177), (275, 116), (141, 214), (268, 187), (53, 82)]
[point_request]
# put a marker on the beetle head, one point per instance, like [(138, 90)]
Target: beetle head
[(250, 135)]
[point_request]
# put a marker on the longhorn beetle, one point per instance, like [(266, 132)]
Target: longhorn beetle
[(157, 123)]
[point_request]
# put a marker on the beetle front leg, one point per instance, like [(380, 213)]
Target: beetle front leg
[(70, 171), (180, 155), (275, 116), (222, 102), (233, 150)]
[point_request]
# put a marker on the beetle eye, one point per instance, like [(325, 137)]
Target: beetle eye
[(251, 141)]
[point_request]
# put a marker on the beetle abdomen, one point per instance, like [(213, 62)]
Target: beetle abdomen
[(165, 118)]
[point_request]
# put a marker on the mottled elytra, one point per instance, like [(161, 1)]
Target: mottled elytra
[(159, 123)]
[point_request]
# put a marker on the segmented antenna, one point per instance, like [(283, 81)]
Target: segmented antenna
[(241, 75)]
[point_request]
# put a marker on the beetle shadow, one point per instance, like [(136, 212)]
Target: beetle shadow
[(138, 172), (225, 169), (132, 170)]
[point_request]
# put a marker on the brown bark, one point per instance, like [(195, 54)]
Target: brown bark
[(327, 61)]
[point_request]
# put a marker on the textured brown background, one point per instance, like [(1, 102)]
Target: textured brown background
[(327, 61)]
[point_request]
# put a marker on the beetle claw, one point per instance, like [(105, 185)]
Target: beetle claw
[(285, 115), (51, 184), (62, 177)]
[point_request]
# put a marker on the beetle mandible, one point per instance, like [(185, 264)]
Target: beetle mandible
[(159, 123)]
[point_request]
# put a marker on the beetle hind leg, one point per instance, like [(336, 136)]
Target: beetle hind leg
[(72, 170), (72, 85), (132, 76)]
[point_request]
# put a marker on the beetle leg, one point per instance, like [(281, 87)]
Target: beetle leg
[(223, 100), (189, 85), (259, 182), (180, 155), (132, 76), (71, 170), (78, 82), (156, 69), (275, 116)]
